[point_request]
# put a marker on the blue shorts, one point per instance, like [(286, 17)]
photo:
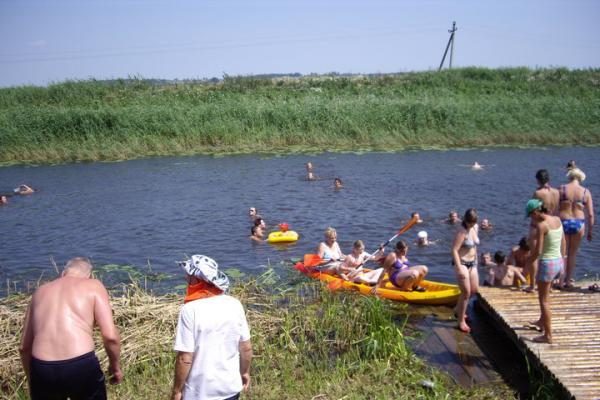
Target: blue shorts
[(549, 269), (572, 226)]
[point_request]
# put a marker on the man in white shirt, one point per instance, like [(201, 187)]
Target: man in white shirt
[(212, 339)]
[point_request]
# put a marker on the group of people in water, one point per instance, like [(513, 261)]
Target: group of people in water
[(21, 190), (310, 176), (545, 257)]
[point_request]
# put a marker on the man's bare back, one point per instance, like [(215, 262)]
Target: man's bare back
[(60, 322), (62, 316)]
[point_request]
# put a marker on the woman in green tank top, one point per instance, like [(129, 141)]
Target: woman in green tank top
[(549, 249)]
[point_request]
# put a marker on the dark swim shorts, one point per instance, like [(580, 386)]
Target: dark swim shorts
[(78, 378)]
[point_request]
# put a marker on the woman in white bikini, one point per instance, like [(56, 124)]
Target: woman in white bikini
[(464, 259), (576, 211)]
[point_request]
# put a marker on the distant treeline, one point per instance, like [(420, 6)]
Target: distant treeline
[(469, 107)]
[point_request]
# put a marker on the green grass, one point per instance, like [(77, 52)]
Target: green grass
[(308, 343), (93, 120)]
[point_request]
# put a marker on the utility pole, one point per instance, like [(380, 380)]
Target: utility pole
[(449, 45)]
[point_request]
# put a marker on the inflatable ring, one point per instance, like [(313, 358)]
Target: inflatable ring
[(282, 237)]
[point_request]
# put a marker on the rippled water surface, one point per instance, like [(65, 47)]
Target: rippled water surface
[(149, 213)]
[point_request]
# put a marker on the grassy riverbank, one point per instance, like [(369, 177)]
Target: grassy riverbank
[(92, 120), (308, 344)]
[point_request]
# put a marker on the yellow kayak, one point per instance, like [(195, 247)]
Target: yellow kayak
[(436, 293)]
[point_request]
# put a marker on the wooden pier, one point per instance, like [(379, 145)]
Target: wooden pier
[(573, 360)]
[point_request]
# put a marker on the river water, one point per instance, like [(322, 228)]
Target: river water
[(149, 213)]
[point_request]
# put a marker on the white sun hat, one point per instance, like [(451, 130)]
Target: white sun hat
[(207, 269)]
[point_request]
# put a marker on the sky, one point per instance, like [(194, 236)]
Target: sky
[(50, 41)]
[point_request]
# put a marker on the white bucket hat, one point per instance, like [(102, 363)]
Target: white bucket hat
[(207, 269), (422, 235)]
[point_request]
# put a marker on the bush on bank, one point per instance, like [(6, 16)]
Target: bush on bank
[(121, 119)]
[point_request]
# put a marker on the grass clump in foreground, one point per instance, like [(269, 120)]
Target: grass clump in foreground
[(466, 107), (308, 344)]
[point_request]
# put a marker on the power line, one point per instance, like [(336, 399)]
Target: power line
[(140, 50)]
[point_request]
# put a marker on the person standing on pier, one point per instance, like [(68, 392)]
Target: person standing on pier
[(464, 259), (549, 250), (576, 211)]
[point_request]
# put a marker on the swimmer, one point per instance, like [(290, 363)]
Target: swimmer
[(476, 166), (257, 234), (503, 274), (259, 221), (486, 225), (422, 239), (23, 190), (415, 215), (309, 172), (253, 214), (486, 259), (337, 183), (3, 200), (453, 218)]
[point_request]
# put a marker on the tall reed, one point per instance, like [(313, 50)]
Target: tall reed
[(96, 120)]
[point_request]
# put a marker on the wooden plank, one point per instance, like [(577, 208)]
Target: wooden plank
[(453, 351), (573, 359)]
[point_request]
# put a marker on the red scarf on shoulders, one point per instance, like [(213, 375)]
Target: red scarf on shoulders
[(201, 290)]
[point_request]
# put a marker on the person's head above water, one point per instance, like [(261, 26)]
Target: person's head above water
[(422, 239), (415, 215), (453, 217)]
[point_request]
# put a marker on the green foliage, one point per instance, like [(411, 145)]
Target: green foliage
[(94, 120)]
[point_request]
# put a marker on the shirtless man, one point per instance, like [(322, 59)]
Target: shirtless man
[(518, 257), (57, 344), (503, 274)]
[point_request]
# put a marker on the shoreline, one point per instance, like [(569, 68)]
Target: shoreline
[(293, 152)]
